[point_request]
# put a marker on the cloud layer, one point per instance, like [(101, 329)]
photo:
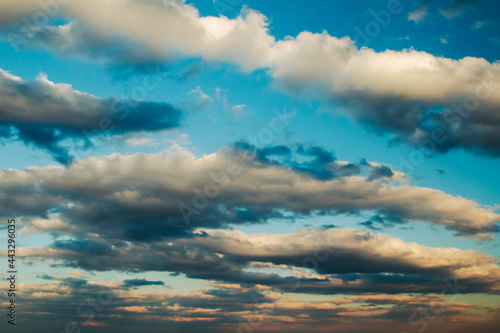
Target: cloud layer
[(95, 306), (146, 196), (317, 261)]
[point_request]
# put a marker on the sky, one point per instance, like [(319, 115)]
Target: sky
[(251, 166)]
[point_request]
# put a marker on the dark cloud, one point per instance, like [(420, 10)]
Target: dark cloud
[(96, 308), (440, 171), (432, 128), (346, 261), (378, 171), (378, 222), (44, 114), (141, 282), (316, 162), (89, 247)]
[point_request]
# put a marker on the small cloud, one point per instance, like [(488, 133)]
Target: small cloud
[(418, 15), (440, 171), (135, 283), (190, 72), (479, 25), (379, 222), (449, 14), (202, 99), (238, 109), (495, 41), (140, 142), (220, 96), (457, 8), (77, 273), (181, 140), (443, 40)]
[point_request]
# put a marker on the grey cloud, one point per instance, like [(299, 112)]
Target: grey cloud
[(432, 128), (141, 282), (378, 222), (99, 307), (43, 114), (150, 196), (440, 171), (345, 261)]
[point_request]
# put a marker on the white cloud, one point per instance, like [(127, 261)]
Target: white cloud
[(419, 14), (171, 27), (365, 81), (141, 142)]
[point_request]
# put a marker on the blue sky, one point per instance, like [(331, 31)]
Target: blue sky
[(425, 58)]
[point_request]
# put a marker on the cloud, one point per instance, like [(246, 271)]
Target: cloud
[(450, 9), (321, 261), (420, 99), (494, 40), (378, 222), (202, 100), (148, 196), (226, 307), (134, 283), (383, 171), (409, 94), (479, 24), (457, 8), (43, 114), (174, 29), (221, 97), (440, 171), (419, 14), (142, 142)]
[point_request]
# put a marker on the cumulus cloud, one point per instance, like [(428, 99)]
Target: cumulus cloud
[(423, 100), (410, 94), (145, 196), (43, 114), (173, 29)]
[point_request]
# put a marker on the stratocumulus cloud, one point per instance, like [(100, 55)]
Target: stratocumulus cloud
[(348, 218), (145, 196), (421, 99), (331, 261), (237, 307)]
